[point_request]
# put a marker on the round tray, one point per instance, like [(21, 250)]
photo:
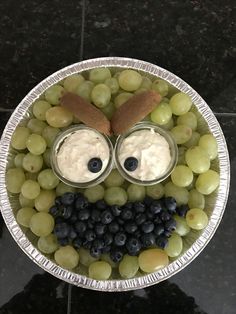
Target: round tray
[(194, 243)]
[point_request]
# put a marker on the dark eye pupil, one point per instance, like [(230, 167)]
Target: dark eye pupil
[(131, 163), (95, 165)]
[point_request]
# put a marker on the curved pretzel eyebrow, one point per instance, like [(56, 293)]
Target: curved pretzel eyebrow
[(86, 112), (134, 110)]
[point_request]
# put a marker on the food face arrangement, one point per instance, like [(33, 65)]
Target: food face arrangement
[(111, 171)]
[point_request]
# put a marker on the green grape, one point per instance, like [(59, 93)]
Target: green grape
[(129, 80), (196, 219), (84, 90), (63, 188), (54, 93), (136, 192), (209, 144), (36, 144), (129, 266), (117, 74), (196, 199), (174, 246), (165, 100), (31, 176), (94, 193), (107, 258), (121, 99), (115, 196), (39, 109), (189, 119), (192, 184), (32, 163), (161, 114), (30, 189), (113, 85), (109, 110), (208, 182), (182, 228), (140, 90), (193, 141), (47, 157), (72, 82), (180, 103), (146, 83), (24, 216), (160, 86), (41, 224), (100, 270), (45, 200), (114, 179), (19, 137), (49, 134), (197, 159), (155, 191), (180, 194), (172, 91), (181, 155), (182, 176), (101, 95), (36, 126), (25, 202), (85, 258), (15, 177), (18, 160), (48, 244), (99, 75), (169, 125), (47, 179), (59, 117), (67, 257), (152, 260), (181, 134)]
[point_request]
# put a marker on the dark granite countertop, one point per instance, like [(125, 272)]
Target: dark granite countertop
[(195, 40)]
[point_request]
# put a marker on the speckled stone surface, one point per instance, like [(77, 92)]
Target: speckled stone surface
[(195, 40)]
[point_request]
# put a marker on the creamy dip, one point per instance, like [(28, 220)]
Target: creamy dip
[(76, 151), (152, 152)]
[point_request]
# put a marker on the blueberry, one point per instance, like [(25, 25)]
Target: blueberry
[(161, 242), (108, 238), (100, 204), (72, 234), (165, 216), (95, 215), (167, 233), (58, 200), (133, 246), (148, 200), (157, 220), (130, 227), (120, 221), (81, 203), (137, 233), (99, 243), (170, 204), (73, 218), (77, 242), (113, 227), (94, 165), (90, 223), (140, 219), (156, 207), (84, 214), (170, 225), (116, 255), (68, 198), (159, 229), (80, 226), (128, 205), (54, 211), (182, 210), (87, 244), (61, 230), (59, 220), (95, 252), (131, 163), (100, 229), (149, 215), (139, 207), (147, 227), (89, 235), (106, 217), (67, 212), (106, 249), (147, 240), (120, 239), (63, 241), (126, 214), (115, 210)]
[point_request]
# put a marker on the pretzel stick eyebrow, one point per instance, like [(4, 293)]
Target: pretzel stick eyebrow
[(86, 112), (134, 110)]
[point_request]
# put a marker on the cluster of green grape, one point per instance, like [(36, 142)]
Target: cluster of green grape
[(33, 180)]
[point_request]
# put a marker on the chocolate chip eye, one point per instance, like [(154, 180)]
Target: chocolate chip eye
[(131, 163), (95, 165)]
